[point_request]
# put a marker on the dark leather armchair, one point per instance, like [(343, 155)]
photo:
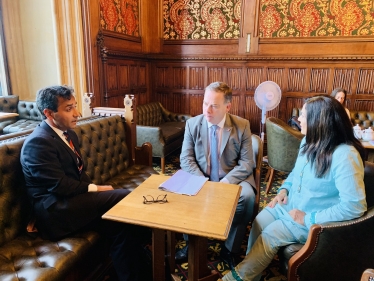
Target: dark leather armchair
[(160, 127), (335, 250), (282, 147)]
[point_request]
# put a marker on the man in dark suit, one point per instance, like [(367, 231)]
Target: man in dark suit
[(63, 196), (232, 163)]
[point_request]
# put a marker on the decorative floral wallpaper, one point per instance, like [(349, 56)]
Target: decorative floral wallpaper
[(121, 16), (304, 18), (201, 19)]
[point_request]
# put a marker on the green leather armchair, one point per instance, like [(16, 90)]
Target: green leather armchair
[(282, 147), (160, 127)]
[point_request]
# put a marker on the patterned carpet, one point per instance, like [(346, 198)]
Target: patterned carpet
[(214, 246)]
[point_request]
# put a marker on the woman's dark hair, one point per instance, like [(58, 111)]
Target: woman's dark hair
[(338, 90), (328, 126), (48, 97)]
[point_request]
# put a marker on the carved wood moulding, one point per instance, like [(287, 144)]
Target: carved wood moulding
[(245, 58)]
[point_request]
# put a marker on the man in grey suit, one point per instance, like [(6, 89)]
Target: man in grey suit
[(234, 158)]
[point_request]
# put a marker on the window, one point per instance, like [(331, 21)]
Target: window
[(4, 73)]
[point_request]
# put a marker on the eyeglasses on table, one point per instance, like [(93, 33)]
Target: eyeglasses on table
[(149, 199)]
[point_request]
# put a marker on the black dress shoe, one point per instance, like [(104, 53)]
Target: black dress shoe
[(228, 257), (182, 254)]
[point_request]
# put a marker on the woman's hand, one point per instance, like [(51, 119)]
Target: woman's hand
[(281, 198), (298, 216)]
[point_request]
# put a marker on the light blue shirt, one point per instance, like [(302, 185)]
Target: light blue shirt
[(338, 196)]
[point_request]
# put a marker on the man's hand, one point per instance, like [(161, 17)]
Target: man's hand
[(104, 187), (281, 198), (298, 216)]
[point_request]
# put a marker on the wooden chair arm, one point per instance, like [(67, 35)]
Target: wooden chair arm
[(143, 154)]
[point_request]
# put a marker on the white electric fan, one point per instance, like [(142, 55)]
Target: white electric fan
[(267, 97)]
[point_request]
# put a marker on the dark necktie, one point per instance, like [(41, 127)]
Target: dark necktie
[(79, 159), (214, 163)]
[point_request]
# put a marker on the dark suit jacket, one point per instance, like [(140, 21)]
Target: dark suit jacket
[(53, 180), (236, 154)]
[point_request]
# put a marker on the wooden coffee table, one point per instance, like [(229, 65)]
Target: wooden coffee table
[(209, 214)]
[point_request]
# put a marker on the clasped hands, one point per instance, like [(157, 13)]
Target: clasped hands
[(282, 198)]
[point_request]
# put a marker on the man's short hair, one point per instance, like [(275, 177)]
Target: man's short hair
[(221, 87), (47, 98)]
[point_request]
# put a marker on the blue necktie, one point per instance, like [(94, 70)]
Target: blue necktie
[(214, 164)]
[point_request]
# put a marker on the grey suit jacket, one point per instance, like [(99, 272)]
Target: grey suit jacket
[(236, 155)]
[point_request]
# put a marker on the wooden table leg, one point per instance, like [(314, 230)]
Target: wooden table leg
[(197, 260), (171, 242), (158, 254)]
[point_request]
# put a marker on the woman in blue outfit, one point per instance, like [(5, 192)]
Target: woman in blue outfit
[(325, 185)]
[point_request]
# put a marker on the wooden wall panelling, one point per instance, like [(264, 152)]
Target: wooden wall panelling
[(214, 74), (179, 77), (318, 80), (365, 84), (298, 79), (253, 113), (196, 77), (196, 103)]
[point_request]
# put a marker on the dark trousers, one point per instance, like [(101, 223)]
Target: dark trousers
[(83, 212)]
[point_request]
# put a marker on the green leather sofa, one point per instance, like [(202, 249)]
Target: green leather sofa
[(162, 128), (26, 256)]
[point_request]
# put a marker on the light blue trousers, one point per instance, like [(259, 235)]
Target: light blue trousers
[(272, 229)]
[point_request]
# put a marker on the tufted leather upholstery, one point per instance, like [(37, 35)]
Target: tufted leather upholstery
[(162, 128), (104, 150), (25, 256), (336, 250), (29, 115), (364, 118)]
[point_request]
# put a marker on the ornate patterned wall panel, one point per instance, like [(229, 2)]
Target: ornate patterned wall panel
[(201, 19), (179, 77), (343, 78), (112, 77), (305, 18), (276, 75), (124, 82), (196, 104), (234, 77), (197, 78), (365, 84), (296, 79), (120, 16), (318, 80), (254, 78), (161, 77), (214, 74)]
